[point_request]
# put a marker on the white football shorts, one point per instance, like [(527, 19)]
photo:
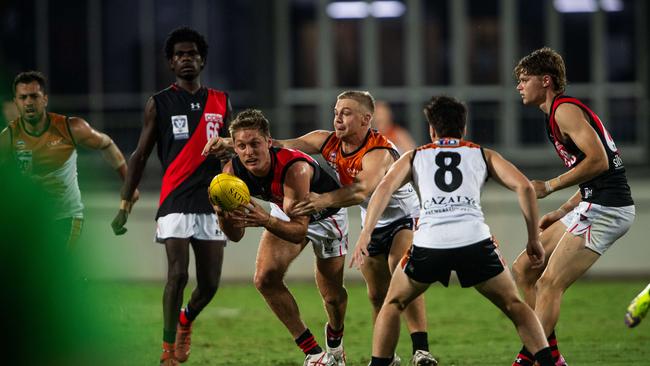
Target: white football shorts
[(328, 237), (600, 225), (182, 225)]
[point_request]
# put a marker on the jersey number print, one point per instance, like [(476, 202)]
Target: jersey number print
[(447, 163)]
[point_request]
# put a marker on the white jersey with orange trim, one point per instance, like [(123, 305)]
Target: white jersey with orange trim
[(448, 175)]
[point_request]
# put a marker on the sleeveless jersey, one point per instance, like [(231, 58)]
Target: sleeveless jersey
[(271, 187), (50, 158), (448, 176), (185, 122), (610, 188), (403, 203)]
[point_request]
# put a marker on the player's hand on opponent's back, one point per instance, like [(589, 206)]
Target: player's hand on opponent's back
[(360, 249), (536, 253)]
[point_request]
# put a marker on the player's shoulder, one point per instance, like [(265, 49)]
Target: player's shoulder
[(170, 90)]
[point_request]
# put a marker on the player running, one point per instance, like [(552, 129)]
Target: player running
[(282, 177), (448, 175), (599, 213)]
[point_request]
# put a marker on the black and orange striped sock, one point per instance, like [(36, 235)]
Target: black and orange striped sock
[(334, 337), (524, 358), (308, 344), (552, 344)]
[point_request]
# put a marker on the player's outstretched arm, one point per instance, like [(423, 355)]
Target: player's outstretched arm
[(398, 175), (309, 143), (136, 166), (572, 123), (375, 164), (86, 136), (551, 217), (506, 174), (218, 146)]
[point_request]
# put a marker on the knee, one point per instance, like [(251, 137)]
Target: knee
[(335, 297), (548, 284), (521, 273), (376, 298), (210, 288), (265, 281), (396, 303), (177, 278)]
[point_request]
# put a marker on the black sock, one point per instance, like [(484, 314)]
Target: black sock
[(420, 341), (334, 337), (544, 357), (169, 336), (378, 361), (190, 314), (308, 344), (524, 358)]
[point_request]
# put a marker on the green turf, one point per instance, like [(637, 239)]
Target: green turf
[(464, 329)]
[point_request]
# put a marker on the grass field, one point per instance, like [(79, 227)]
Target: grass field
[(464, 329)]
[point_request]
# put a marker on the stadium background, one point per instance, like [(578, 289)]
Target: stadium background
[(290, 58)]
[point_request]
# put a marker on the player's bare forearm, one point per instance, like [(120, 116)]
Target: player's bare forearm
[(398, 175), (589, 168), (528, 203), (350, 195), (309, 143), (572, 202), (292, 231), (233, 233)]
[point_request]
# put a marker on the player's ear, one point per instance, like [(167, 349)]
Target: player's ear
[(367, 117), (546, 81)]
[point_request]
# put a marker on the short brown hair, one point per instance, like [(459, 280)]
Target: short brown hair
[(447, 116), (250, 119), (544, 61), (361, 96)]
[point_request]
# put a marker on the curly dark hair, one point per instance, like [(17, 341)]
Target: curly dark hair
[(544, 61), (185, 34), (30, 76), (447, 116), (250, 119)]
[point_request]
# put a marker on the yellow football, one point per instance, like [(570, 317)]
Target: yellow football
[(228, 192)]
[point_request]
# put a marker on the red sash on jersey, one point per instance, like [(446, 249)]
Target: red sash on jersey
[(190, 158)]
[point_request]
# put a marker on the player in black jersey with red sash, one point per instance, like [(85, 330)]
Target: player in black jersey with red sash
[(180, 119), (599, 213), (283, 177)]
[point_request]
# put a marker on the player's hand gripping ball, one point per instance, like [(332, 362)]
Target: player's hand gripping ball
[(228, 192)]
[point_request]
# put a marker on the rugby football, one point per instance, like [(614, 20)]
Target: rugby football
[(228, 191)]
